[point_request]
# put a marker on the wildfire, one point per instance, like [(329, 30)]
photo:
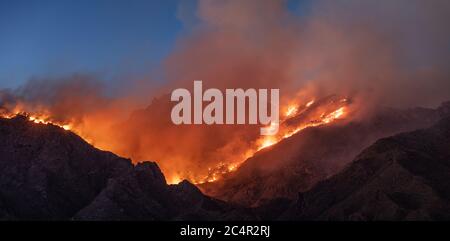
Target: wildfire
[(268, 141), (334, 115), (217, 172), (309, 103), (325, 119), (286, 131), (36, 118), (174, 179), (44, 120), (291, 110), (297, 118)]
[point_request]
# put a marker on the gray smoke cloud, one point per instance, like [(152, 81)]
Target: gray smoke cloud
[(379, 52)]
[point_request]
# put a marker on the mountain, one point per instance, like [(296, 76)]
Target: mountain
[(298, 163), (48, 173), (142, 194), (404, 177)]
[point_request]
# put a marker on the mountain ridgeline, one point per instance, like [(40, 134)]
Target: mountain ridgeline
[(48, 173), (356, 171)]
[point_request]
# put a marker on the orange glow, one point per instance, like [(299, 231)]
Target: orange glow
[(45, 120), (174, 179), (297, 117), (334, 115), (41, 119), (38, 119), (291, 110), (309, 103), (267, 141), (285, 131)]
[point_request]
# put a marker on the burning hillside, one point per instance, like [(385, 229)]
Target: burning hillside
[(48, 173), (35, 118), (217, 110), (299, 162), (310, 114), (297, 117), (369, 61)]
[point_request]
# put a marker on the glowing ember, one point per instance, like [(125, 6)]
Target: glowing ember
[(291, 111), (297, 118), (309, 103), (174, 179), (324, 119), (286, 131), (334, 115), (268, 141), (38, 119), (233, 167), (42, 120)]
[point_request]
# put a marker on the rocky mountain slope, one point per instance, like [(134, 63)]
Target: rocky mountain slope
[(47, 173), (404, 177), (314, 154)]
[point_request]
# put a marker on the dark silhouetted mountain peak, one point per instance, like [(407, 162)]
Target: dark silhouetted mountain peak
[(49, 173), (404, 177)]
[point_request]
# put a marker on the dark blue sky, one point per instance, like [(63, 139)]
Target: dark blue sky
[(51, 38)]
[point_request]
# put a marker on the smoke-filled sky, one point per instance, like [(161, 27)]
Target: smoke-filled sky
[(111, 38), (122, 41), (60, 56)]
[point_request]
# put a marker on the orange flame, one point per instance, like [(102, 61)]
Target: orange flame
[(291, 110), (309, 103), (284, 132), (38, 119), (326, 115)]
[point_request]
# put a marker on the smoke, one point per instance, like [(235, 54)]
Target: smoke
[(379, 53), (390, 53), (397, 51)]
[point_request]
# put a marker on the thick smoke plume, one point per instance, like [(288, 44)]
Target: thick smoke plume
[(379, 53)]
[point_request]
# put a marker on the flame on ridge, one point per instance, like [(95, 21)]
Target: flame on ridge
[(38, 118), (285, 131), (288, 127)]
